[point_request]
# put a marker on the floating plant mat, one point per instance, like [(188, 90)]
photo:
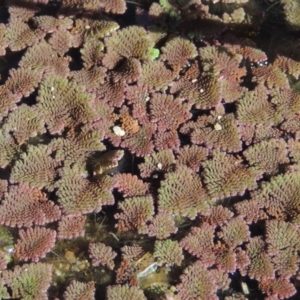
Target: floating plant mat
[(149, 149)]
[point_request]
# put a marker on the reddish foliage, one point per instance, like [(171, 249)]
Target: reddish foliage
[(34, 243), (80, 290), (197, 283), (199, 242), (71, 227), (102, 255)]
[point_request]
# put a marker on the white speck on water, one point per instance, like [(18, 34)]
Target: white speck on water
[(118, 131)]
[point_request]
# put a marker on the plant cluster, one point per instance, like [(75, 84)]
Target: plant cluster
[(173, 120)]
